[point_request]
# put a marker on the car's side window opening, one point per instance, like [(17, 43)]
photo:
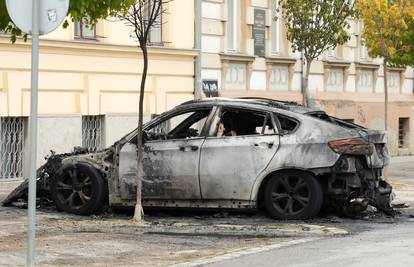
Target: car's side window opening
[(287, 125), (182, 126), (235, 122)]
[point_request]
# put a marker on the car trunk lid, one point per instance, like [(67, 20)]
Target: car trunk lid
[(379, 158)]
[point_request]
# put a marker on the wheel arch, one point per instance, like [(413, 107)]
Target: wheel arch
[(259, 186), (98, 197), (90, 160)]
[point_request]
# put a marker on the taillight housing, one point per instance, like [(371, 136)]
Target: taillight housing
[(352, 146)]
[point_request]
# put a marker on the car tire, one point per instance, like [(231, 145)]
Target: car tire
[(79, 189), (293, 195)]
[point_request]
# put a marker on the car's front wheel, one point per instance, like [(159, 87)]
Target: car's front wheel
[(293, 195), (79, 189)]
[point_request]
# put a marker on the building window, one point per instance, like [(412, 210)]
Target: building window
[(275, 35), (233, 25), (331, 53), (155, 35), (84, 31), (363, 52), (403, 132), (11, 147), (92, 132)]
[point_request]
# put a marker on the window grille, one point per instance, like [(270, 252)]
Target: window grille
[(92, 130), (12, 147)]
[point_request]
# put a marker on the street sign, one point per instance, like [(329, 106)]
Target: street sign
[(35, 17), (51, 14)]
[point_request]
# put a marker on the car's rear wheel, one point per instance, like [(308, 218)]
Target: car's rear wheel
[(79, 189), (293, 195)]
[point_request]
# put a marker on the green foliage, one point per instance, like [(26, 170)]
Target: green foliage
[(388, 29), (78, 9), (405, 57), (314, 26), (97, 9)]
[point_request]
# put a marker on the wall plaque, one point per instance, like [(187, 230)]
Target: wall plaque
[(259, 32)]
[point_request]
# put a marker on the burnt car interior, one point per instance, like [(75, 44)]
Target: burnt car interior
[(287, 125), (181, 126), (235, 122)]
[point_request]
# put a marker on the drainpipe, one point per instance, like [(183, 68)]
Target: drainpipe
[(197, 46)]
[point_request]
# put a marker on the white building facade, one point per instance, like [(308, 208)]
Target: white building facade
[(246, 53)]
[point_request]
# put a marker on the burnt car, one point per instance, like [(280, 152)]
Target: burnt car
[(222, 153)]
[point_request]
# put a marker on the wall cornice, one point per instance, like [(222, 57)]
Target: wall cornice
[(336, 63), (237, 57), (93, 47), (366, 65), (280, 60)]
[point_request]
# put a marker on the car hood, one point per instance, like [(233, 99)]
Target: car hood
[(52, 165)]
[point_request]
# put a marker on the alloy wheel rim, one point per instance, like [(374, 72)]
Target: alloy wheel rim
[(290, 195), (74, 189)]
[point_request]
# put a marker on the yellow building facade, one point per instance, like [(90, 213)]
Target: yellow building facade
[(89, 84)]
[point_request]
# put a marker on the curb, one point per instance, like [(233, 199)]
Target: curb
[(244, 252)]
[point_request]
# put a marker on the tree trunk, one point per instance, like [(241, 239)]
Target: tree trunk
[(139, 212), (305, 89), (386, 95)]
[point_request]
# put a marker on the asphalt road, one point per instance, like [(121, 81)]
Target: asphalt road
[(402, 169), (379, 244), (384, 246)]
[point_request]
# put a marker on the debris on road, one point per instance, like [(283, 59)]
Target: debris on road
[(400, 205)]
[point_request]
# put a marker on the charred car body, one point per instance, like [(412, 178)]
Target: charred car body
[(228, 153)]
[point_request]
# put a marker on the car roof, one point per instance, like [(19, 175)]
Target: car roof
[(271, 103)]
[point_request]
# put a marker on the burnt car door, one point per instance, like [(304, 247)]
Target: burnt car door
[(240, 145), (171, 154)]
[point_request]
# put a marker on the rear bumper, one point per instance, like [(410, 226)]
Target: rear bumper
[(360, 178)]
